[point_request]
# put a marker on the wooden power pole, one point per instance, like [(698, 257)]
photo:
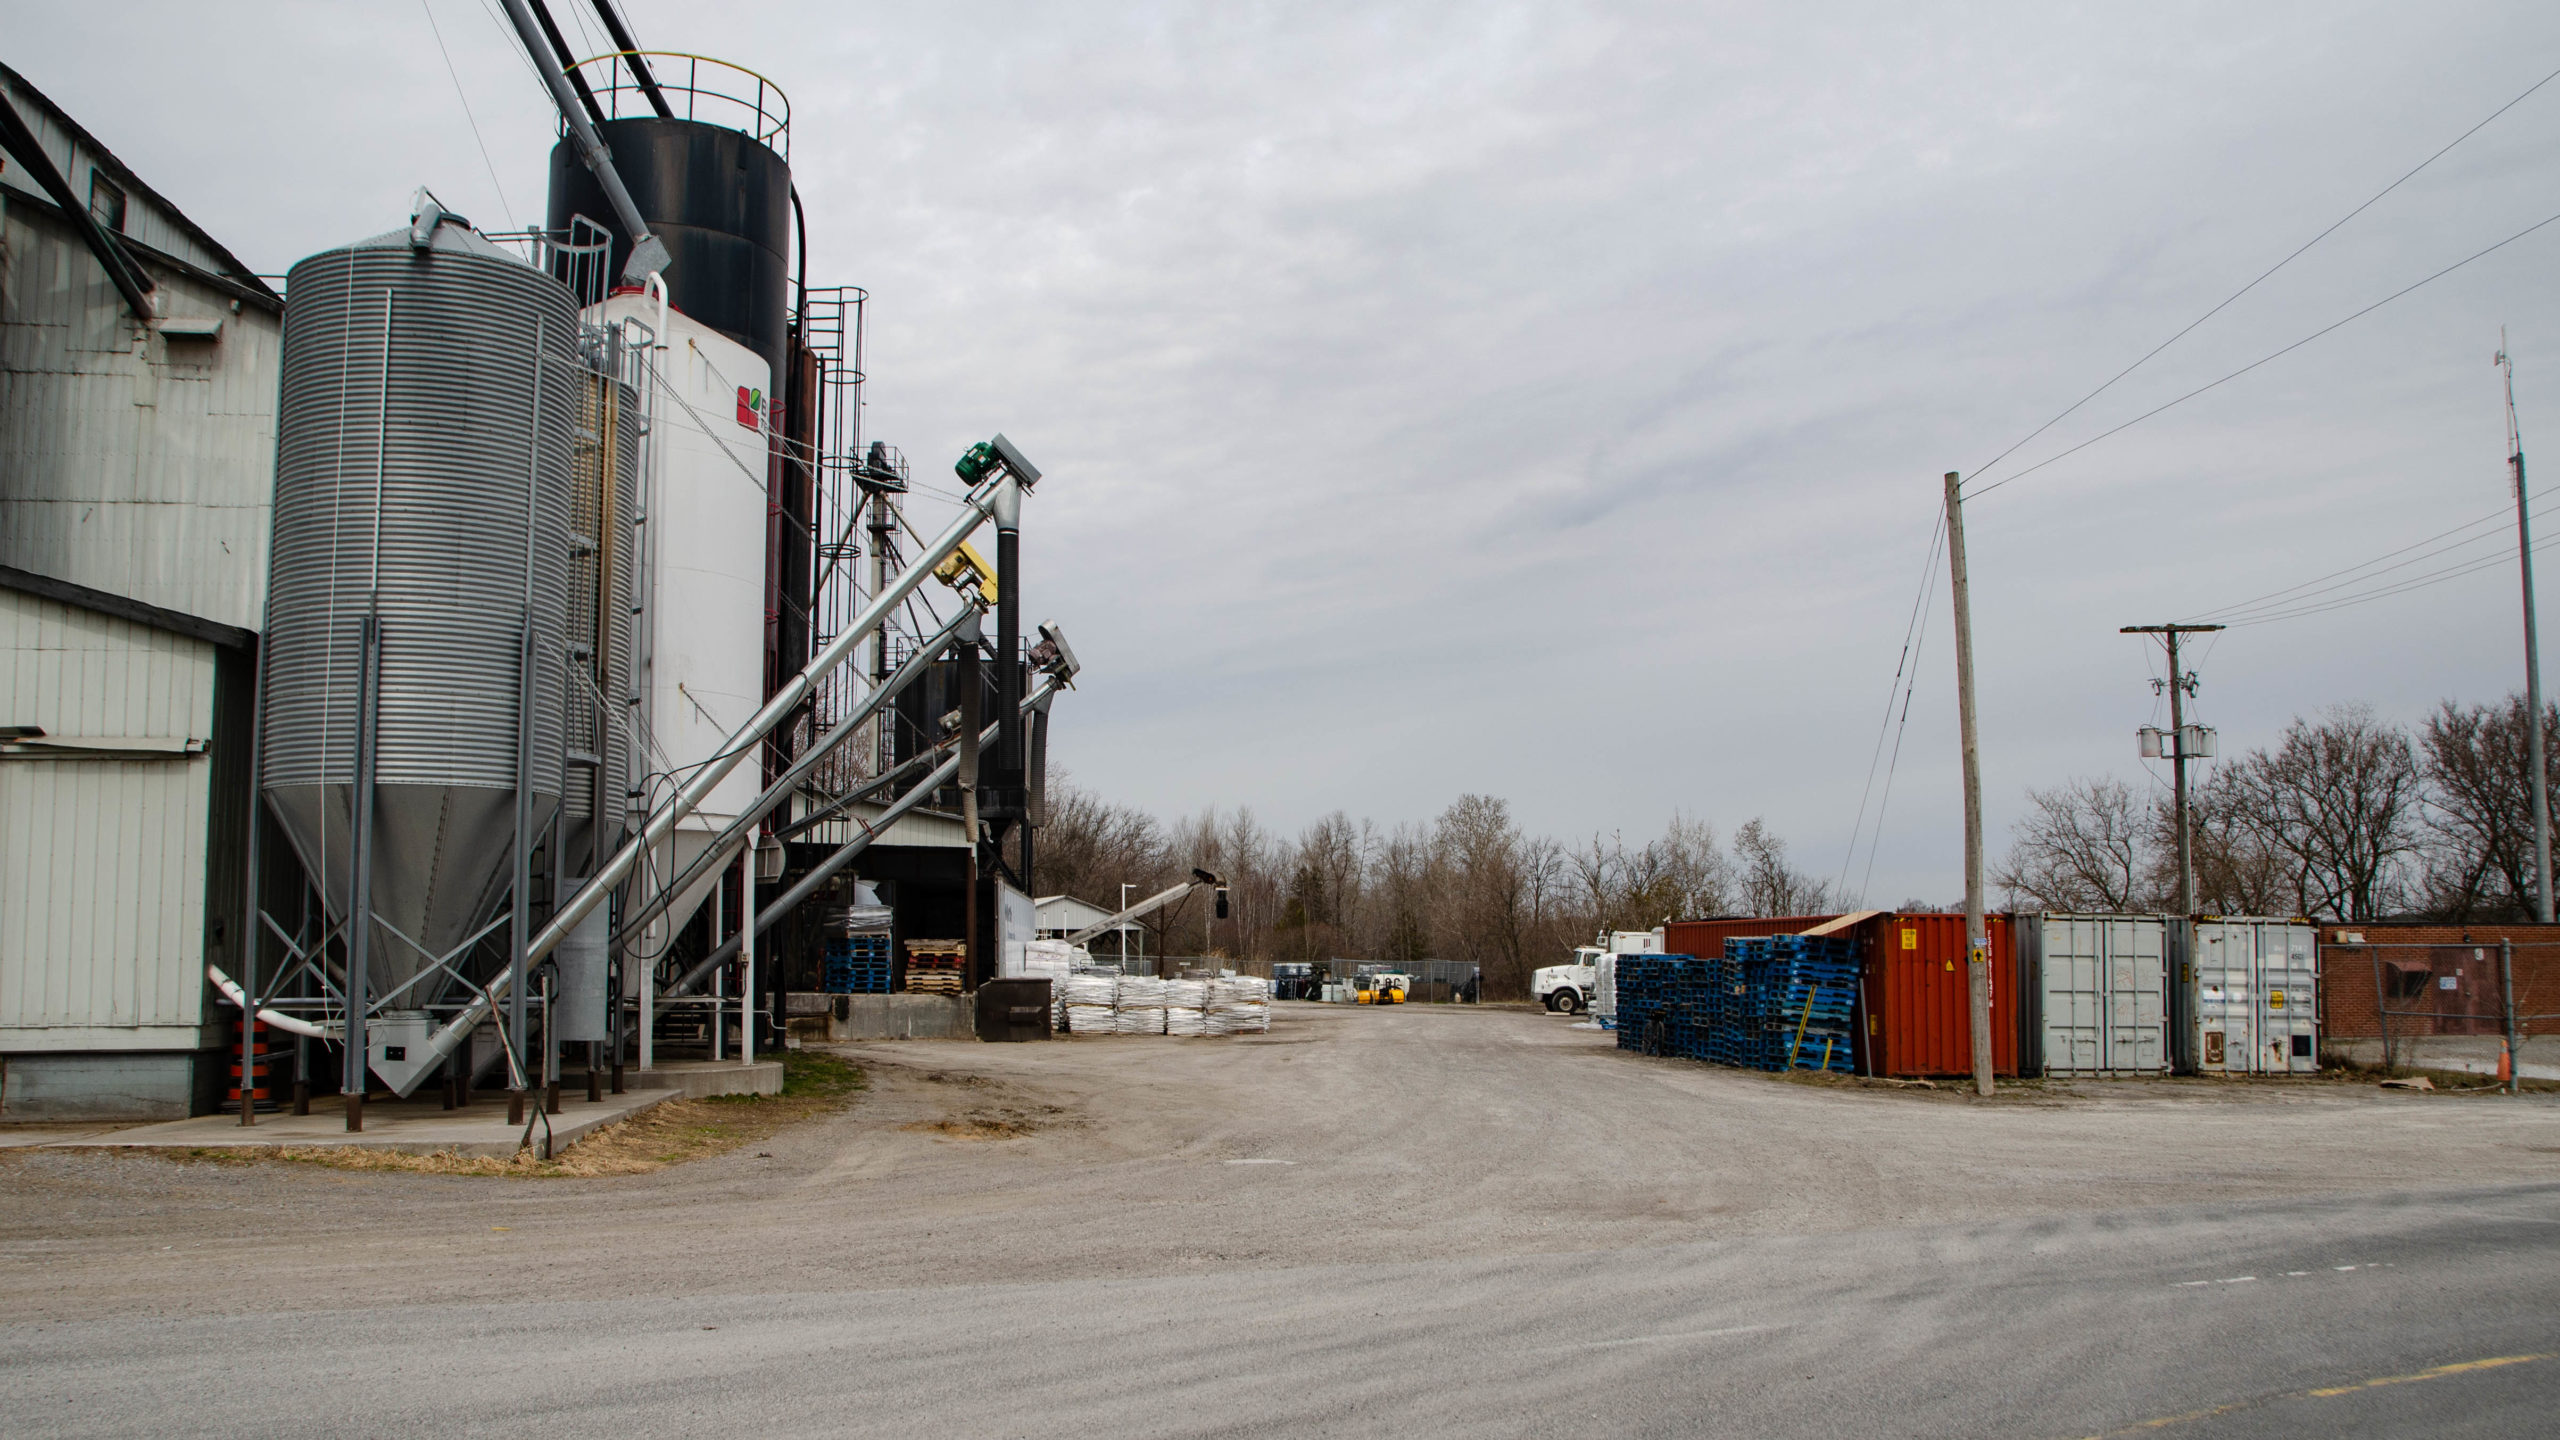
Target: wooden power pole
[(1976, 935)]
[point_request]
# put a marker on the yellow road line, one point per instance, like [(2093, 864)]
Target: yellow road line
[(2459, 1367), (2462, 1367)]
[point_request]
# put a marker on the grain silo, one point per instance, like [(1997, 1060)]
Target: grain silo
[(426, 442)]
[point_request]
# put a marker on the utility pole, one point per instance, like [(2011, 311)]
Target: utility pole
[(1976, 936), (2181, 685), (2532, 653)]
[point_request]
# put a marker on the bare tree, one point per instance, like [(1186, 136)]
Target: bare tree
[(1765, 883), (2478, 826), (2083, 845), (2238, 871), (2338, 802)]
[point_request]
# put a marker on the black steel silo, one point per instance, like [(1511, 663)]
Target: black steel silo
[(720, 199)]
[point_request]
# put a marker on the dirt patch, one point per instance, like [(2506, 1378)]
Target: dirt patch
[(992, 1123), (671, 1132)]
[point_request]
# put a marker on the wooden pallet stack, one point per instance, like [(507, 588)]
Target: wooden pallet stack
[(936, 967)]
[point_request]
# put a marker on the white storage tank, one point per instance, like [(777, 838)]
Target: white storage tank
[(700, 646), (2098, 988), (2248, 997)]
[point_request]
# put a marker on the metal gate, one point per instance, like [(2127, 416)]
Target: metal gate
[(2102, 993)]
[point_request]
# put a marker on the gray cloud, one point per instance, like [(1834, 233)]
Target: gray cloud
[(1549, 399)]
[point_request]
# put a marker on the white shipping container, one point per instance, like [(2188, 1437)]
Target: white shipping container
[(2101, 992), (2249, 990)]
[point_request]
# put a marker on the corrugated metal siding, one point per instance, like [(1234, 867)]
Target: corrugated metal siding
[(143, 220), (142, 470), (102, 862)]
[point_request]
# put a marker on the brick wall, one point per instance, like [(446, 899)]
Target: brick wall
[(2348, 1005)]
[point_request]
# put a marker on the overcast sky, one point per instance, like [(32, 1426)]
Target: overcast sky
[(1550, 400)]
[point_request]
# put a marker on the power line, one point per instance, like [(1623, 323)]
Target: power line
[(2252, 285), (2491, 518), (1915, 638), (1885, 726), (473, 120), (2402, 587), (2277, 355)]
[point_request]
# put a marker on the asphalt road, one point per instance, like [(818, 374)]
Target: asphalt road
[(1088, 1289)]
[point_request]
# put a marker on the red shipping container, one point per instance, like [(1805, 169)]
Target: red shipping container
[(1917, 1013), (1918, 1003)]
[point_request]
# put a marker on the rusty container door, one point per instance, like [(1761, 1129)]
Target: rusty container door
[(1919, 1009), (1704, 939)]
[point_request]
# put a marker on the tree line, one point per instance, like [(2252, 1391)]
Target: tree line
[(2345, 817), (1471, 885)]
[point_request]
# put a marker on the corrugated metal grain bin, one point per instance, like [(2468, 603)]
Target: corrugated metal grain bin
[(1919, 1011), (2246, 997), (2097, 990)]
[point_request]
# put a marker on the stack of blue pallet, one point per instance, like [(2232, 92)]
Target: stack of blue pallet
[(1804, 993), (858, 965), (1772, 1003)]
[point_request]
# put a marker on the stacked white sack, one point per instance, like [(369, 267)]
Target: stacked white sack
[(1087, 998), (1141, 1006), (1053, 961), (1089, 988), (1184, 1004), (1252, 1019)]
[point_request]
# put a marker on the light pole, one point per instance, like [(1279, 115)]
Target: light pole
[(1123, 936), (2532, 654)]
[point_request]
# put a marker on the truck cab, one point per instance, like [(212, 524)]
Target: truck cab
[(1569, 987)]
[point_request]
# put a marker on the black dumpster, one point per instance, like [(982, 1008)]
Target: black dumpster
[(1013, 1010)]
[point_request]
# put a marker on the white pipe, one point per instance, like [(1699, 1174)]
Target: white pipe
[(287, 1023)]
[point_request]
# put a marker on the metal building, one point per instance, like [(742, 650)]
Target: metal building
[(138, 366)]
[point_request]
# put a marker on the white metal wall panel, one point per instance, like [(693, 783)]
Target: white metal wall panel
[(703, 583), (2074, 996), (102, 861), (2104, 994), (2138, 995), (2288, 1023), (142, 468)]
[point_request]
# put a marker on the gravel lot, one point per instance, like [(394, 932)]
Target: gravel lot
[(1419, 1153)]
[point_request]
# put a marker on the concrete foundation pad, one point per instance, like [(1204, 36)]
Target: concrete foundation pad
[(701, 1079), (889, 1015), (412, 1127), (2538, 1058)]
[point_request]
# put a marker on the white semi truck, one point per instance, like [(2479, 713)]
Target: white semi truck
[(1571, 987)]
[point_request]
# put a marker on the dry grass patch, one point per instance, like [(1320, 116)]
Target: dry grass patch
[(668, 1133)]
